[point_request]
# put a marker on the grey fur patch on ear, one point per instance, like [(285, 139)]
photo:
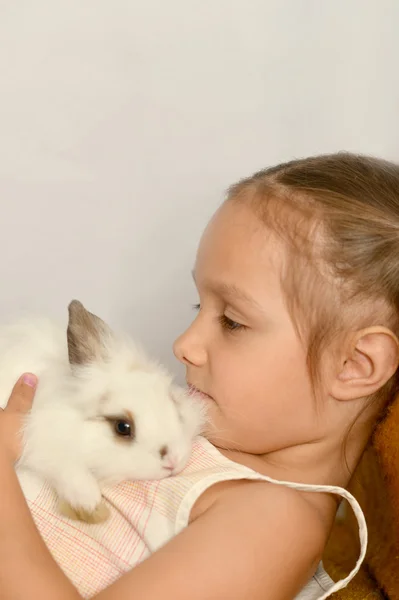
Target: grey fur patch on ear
[(86, 334)]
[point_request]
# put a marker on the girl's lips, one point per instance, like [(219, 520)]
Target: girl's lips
[(193, 391)]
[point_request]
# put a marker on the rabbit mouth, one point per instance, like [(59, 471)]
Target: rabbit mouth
[(169, 471)]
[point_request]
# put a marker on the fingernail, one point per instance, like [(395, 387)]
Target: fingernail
[(30, 379)]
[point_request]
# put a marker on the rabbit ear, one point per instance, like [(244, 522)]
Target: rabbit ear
[(86, 335)]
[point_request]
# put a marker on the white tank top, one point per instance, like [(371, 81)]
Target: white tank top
[(147, 514)]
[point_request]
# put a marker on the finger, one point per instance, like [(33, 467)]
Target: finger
[(22, 394)]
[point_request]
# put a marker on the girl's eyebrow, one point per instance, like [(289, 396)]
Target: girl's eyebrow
[(230, 290)]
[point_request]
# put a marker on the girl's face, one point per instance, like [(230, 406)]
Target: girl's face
[(242, 349)]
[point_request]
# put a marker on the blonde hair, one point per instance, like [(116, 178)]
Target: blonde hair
[(338, 214)]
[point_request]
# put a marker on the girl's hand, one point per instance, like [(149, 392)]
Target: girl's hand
[(12, 417)]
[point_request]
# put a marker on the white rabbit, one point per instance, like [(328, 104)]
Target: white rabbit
[(103, 412)]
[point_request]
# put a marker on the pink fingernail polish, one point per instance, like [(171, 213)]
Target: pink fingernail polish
[(30, 379)]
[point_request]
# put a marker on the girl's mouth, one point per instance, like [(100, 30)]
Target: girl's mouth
[(194, 391)]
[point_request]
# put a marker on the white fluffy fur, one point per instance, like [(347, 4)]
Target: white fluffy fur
[(67, 439)]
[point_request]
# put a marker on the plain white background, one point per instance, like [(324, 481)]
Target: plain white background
[(122, 122)]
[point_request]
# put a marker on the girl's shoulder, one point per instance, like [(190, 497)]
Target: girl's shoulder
[(256, 501), (320, 508), (251, 539), (272, 534)]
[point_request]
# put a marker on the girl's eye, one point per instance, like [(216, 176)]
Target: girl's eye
[(226, 323), (229, 324)]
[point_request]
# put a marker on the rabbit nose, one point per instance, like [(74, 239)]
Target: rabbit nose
[(169, 459), (169, 462)]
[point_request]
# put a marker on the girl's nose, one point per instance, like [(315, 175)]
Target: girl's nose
[(189, 350)]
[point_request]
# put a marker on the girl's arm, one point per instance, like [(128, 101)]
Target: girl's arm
[(27, 569), (255, 541)]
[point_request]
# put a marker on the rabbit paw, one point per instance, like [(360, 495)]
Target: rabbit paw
[(80, 497), (77, 513)]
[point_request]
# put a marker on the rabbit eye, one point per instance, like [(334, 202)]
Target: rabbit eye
[(123, 428)]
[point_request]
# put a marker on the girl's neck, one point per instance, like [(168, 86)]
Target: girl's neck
[(320, 463)]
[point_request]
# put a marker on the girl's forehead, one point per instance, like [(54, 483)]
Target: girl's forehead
[(236, 248), (235, 232), (229, 226)]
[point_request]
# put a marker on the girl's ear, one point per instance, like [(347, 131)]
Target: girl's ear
[(370, 360)]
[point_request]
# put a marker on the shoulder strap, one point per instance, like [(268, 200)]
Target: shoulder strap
[(339, 585)]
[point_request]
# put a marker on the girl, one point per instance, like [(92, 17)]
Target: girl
[(295, 351)]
